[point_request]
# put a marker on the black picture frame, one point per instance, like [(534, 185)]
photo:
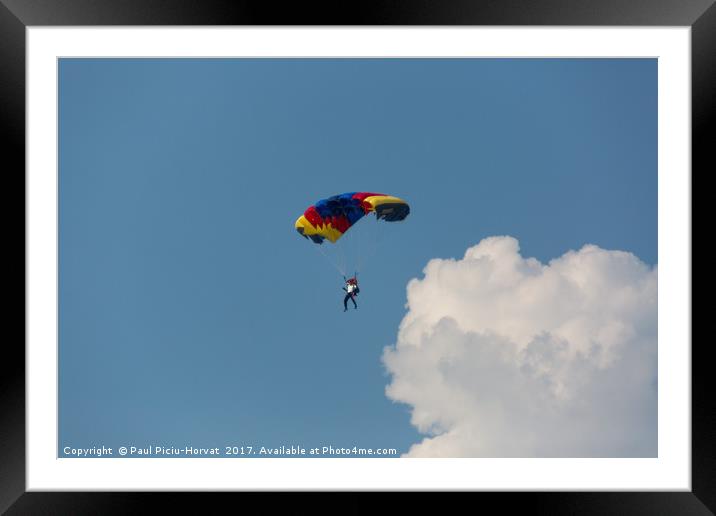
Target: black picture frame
[(17, 15)]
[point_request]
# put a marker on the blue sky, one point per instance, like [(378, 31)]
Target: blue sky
[(192, 313)]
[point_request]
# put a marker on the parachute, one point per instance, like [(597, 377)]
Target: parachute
[(333, 218), (330, 218)]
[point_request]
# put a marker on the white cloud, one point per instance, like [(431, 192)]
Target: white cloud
[(503, 356)]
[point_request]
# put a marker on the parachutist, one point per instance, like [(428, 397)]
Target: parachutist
[(352, 291), (328, 220)]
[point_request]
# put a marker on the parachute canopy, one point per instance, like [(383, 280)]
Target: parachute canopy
[(330, 218)]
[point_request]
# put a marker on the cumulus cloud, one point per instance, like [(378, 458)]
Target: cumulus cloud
[(504, 356)]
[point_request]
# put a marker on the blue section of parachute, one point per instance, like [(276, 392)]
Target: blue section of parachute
[(343, 204)]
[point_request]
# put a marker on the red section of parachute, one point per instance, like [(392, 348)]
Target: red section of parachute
[(361, 196), (341, 223), (313, 217)]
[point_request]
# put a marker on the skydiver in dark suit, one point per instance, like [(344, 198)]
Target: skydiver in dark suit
[(352, 291)]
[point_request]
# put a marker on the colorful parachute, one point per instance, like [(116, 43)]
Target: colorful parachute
[(330, 218)]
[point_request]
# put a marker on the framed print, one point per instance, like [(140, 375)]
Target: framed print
[(438, 249)]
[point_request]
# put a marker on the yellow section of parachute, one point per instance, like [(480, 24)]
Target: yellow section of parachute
[(377, 200), (304, 227)]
